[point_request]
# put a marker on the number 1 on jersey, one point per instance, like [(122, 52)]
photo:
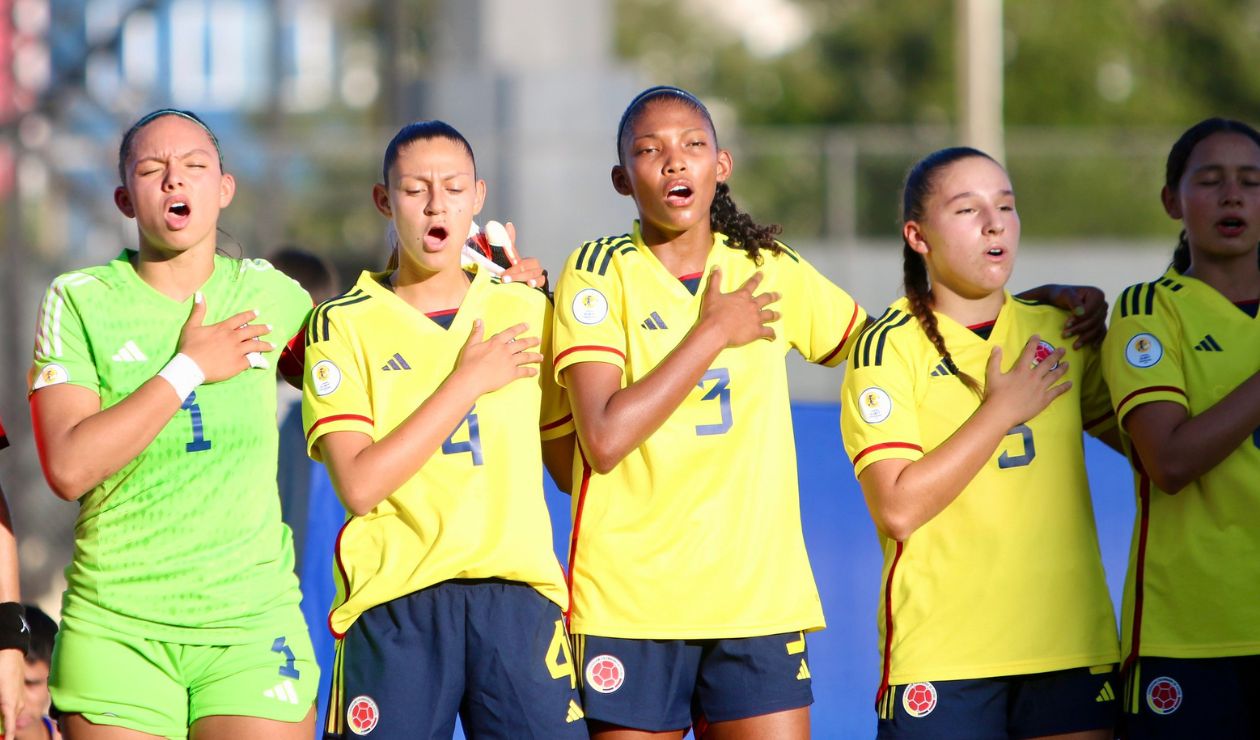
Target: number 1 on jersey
[(199, 443), (471, 445)]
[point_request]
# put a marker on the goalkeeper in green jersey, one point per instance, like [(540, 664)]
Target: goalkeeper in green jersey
[(155, 409)]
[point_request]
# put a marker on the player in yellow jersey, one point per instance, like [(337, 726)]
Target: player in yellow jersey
[(424, 397), (1181, 361), (690, 584), (691, 588), (964, 426)]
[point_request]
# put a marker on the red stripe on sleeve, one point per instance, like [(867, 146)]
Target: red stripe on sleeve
[(886, 446), (1095, 422), (1151, 389), (845, 338), (557, 423), (589, 347), (336, 417)]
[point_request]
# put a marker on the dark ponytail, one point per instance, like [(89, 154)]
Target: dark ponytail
[(1179, 158), (918, 187), (724, 216), (740, 229)]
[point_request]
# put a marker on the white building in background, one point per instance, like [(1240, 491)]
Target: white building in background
[(537, 89), (216, 56)]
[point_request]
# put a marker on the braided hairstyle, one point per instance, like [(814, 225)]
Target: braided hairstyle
[(920, 181), (1179, 157), (724, 216), (413, 132)]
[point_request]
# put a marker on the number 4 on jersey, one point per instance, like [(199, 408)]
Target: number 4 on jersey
[(471, 445)]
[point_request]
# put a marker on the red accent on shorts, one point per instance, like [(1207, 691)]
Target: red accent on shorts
[(336, 417), (1139, 570), (345, 580), (443, 312), (843, 339), (557, 423), (885, 446), (577, 527), (589, 347), (1150, 389), (888, 627), (293, 358), (982, 325), (1095, 422)]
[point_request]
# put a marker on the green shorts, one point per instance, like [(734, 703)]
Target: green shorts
[(162, 688)]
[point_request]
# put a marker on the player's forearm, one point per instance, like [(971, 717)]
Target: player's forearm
[(80, 445), (374, 472), (1200, 443), (925, 487), (611, 430)]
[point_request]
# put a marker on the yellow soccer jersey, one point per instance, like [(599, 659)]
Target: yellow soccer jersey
[(1195, 558), (476, 508), (697, 532), (1008, 579)]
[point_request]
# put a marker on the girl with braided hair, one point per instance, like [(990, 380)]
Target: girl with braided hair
[(964, 426), (690, 586)]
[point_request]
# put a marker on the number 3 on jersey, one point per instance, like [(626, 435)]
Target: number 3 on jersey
[(720, 392), (471, 445)]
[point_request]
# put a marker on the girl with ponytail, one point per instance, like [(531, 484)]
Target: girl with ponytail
[(1181, 362), (691, 590), (964, 427)]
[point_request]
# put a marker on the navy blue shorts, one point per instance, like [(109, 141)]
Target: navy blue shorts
[(1032, 705), (494, 652), (1192, 697), (663, 685)]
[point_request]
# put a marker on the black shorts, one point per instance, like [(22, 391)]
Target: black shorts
[(1192, 697), (663, 685), (1031, 705), (494, 652)]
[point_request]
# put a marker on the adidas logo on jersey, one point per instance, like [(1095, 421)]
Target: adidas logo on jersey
[(940, 370), (654, 321), (129, 352), (1208, 344), (1107, 693), (575, 713), (283, 691), (396, 363)]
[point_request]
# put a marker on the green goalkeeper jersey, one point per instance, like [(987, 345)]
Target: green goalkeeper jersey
[(184, 543)]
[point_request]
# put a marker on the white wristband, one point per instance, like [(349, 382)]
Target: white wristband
[(184, 375)]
